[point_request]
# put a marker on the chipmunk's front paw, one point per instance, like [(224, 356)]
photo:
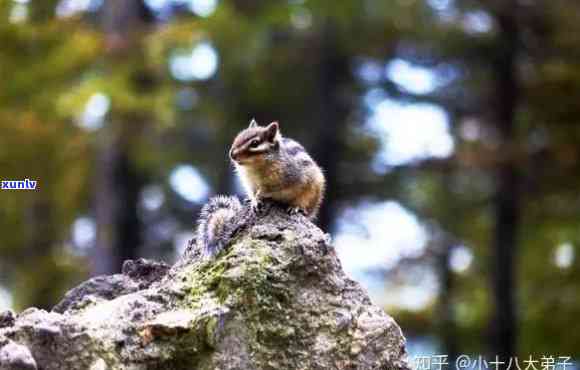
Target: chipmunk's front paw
[(295, 211)]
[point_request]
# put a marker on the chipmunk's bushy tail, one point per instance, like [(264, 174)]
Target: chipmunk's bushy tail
[(215, 226)]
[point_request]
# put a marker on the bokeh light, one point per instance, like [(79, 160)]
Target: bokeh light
[(84, 232), (95, 111), (5, 300), (188, 183), (415, 79), (201, 63), (411, 132), (564, 255)]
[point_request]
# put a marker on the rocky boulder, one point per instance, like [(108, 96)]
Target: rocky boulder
[(276, 298)]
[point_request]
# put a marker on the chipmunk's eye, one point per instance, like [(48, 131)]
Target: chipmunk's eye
[(254, 143)]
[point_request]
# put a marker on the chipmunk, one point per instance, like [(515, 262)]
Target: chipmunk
[(277, 168), (270, 167)]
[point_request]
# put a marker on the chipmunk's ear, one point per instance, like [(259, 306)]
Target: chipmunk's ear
[(253, 123), (272, 132)]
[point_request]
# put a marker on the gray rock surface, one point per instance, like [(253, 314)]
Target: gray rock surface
[(276, 298)]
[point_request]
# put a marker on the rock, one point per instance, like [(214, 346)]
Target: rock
[(15, 357), (7, 318), (136, 275), (144, 271), (276, 298)]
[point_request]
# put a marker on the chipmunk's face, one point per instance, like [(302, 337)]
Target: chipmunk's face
[(254, 144)]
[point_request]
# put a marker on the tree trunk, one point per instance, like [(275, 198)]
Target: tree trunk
[(447, 326), (117, 196), (507, 199), (331, 118), (41, 241), (117, 183)]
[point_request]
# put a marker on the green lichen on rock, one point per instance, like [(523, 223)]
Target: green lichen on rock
[(275, 298)]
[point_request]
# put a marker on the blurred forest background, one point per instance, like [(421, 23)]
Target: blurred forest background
[(448, 130)]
